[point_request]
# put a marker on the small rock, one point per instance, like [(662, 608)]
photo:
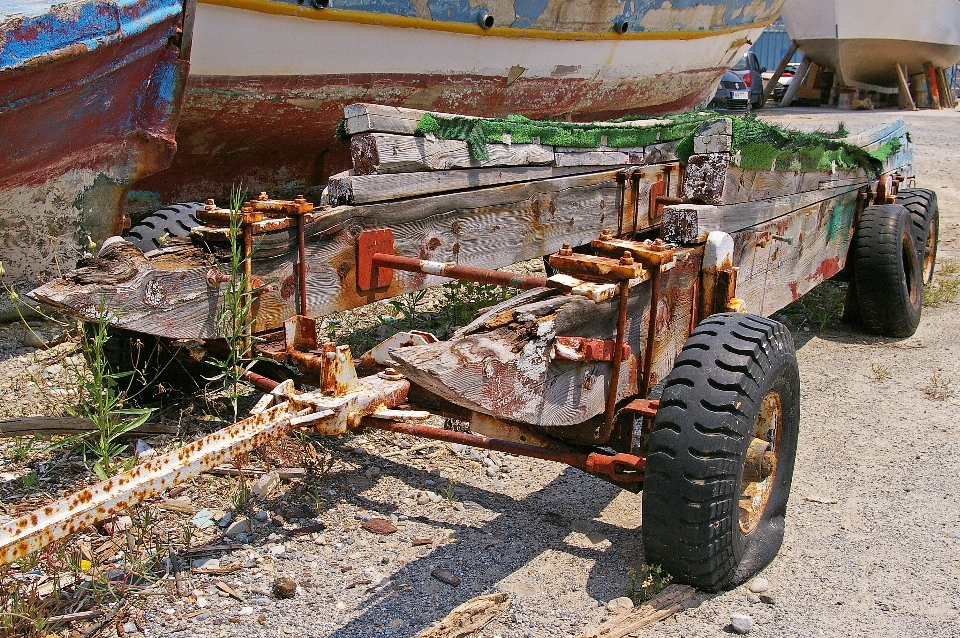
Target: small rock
[(206, 563), (245, 611), (491, 472), (768, 600), (396, 623), (434, 497), (261, 516), (753, 599), (144, 451), (242, 538), (429, 482), (129, 628), (33, 340), (741, 623), (226, 519), (202, 602), (284, 587), (379, 526), (458, 506), (340, 606), (239, 526), (423, 498), (265, 484), (619, 605), (446, 576), (758, 585), (372, 472)]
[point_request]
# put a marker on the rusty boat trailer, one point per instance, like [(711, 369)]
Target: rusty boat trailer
[(685, 264)]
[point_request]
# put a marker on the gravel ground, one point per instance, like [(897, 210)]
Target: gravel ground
[(873, 526)]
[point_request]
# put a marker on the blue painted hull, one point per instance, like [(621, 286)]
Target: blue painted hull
[(90, 94)]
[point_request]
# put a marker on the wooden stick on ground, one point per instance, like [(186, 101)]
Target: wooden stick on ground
[(49, 426), (663, 605), (468, 618)]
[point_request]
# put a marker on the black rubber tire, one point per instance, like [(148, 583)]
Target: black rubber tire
[(698, 445), (925, 216), (174, 220), (887, 271), (155, 367)]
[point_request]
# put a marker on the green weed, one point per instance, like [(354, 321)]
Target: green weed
[(646, 582), (880, 371), (940, 387), (234, 313), (945, 288)]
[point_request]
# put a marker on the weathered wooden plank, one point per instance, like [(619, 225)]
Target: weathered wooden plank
[(388, 153), (376, 118), (786, 258), (671, 600), (492, 228), (361, 189), (49, 426), (503, 364), (468, 618), (876, 136)]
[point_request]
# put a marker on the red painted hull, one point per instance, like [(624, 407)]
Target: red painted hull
[(277, 133), (79, 127)]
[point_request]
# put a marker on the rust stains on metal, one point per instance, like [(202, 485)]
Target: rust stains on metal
[(583, 349), (619, 467), (82, 509)]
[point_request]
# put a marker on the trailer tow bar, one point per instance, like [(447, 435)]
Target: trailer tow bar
[(625, 468)]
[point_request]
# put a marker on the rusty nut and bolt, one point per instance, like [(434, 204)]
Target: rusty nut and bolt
[(390, 374), (606, 234), (626, 259), (566, 251)]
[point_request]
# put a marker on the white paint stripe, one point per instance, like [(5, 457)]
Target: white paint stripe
[(235, 42)]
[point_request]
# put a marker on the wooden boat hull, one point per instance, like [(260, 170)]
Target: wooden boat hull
[(269, 80), (89, 99), (864, 40)]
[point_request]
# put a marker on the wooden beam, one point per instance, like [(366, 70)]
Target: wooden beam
[(493, 228), (905, 88), (772, 84), (503, 364), (796, 82), (388, 153), (376, 118), (362, 189)]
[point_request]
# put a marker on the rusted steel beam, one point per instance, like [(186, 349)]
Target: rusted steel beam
[(324, 414), (620, 467), (259, 381), (611, 405), (78, 511), (468, 273)]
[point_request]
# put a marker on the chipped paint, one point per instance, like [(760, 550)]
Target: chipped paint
[(92, 90)]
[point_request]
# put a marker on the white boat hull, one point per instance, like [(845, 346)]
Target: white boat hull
[(864, 40)]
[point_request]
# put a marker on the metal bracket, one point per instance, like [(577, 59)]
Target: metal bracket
[(369, 275)]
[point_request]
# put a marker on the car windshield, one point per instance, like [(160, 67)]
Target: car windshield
[(741, 65)]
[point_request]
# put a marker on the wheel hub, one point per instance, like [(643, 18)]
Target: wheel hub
[(760, 466)]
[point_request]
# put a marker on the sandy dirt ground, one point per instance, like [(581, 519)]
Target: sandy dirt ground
[(872, 544)]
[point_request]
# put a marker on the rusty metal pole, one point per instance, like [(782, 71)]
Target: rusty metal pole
[(651, 332), (302, 263), (622, 467), (611, 407), (454, 271)]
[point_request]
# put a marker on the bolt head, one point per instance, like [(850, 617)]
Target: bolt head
[(263, 196), (565, 250), (606, 234), (626, 259), (209, 205)]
